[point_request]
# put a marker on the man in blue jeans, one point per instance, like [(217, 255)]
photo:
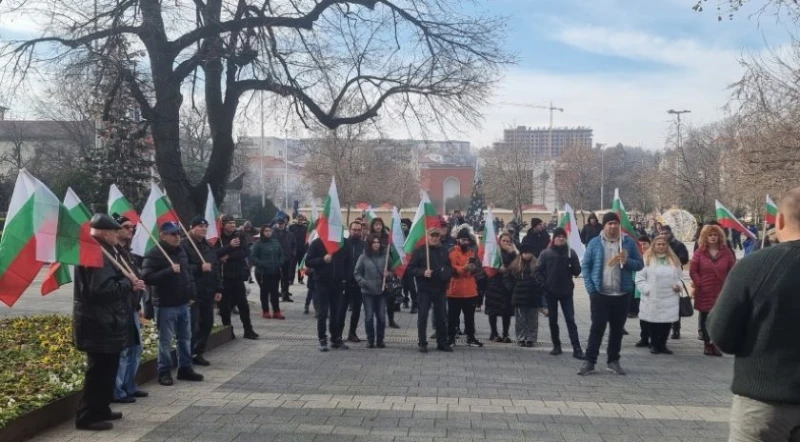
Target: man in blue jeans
[(608, 266), (167, 272), (126, 390)]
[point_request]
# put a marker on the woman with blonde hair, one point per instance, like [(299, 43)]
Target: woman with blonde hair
[(710, 266), (659, 283)]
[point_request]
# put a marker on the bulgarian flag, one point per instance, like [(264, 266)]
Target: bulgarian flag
[(157, 210), (57, 275), (489, 249), (330, 226), (212, 216), (726, 219), (624, 220), (117, 203), (424, 219), (771, 214), (311, 235), (570, 224), (396, 245), (18, 263)]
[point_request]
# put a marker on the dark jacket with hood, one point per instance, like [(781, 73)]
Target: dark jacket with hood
[(352, 250), (498, 296), (557, 266), (268, 257), (526, 289), (330, 273), (538, 240), (287, 241), (235, 267), (207, 284), (100, 308), (590, 231), (440, 265), (169, 289)]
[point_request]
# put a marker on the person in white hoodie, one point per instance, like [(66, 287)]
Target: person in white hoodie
[(660, 285)]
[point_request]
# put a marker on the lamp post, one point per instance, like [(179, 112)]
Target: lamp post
[(602, 174), (678, 120)]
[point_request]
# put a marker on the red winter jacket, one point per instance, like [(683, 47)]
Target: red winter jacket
[(708, 276)]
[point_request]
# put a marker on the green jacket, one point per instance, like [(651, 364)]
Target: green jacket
[(267, 257)]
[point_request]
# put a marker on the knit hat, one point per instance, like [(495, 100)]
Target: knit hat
[(526, 248), (559, 231), (227, 218), (198, 221), (535, 222), (610, 216), (464, 234), (406, 222)]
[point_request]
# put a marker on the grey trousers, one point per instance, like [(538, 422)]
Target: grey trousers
[(526, 323), (756, 421)]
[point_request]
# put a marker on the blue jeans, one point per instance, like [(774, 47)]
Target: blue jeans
[(129, 361), (174, 322), (374, 308)]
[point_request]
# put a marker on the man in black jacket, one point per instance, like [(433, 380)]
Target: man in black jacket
[(353, 248), (683, 255), (126, 391), (286, 239), (207, 283), (329, 279), (432, 283), (537, 237), (232, 254), (173, 290), (299, 229), (755, 319), (99, 325), (409, 285), (557, 266)]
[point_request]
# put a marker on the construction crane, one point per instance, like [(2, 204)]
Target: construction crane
[(551, 108)]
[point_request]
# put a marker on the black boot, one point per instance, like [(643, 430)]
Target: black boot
[(556, 350), (472, 341), (414, 309)]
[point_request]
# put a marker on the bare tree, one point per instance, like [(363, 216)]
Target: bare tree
[(419, 61), (578, 176), (508, 177), (20, 147)]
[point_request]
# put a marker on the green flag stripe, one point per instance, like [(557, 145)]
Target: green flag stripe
[(17, 233)]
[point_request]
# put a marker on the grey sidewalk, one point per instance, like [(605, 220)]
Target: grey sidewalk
[(281, 388)]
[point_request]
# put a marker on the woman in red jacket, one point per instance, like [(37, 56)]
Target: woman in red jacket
[(710, 266)]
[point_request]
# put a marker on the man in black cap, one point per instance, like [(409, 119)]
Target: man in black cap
[(537, 237), (287, 241), (232, 253), (99, 324), (173, 290), (126, 390), (208, 284), (608, 266)]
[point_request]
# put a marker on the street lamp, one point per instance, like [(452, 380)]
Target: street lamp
[(678, 116), (602, 174)]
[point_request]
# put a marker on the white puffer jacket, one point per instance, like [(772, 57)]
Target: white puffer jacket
[(659, 302)]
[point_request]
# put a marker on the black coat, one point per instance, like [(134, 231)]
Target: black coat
[(352, 250), (557, 266), (498, 297), (135, 298), (526, 289), (236, 266), (287, 241), (680, 249), (206, 284), (589, 231), (539, 241), (440, 265), (299, 230), (333, 272), (169, 289), (101, 307)]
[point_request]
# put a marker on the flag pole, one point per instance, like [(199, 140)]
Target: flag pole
[(191, 240), (385, 265), (158, 244), (427, 250), (125, 263), (117, 264), (764, 236)]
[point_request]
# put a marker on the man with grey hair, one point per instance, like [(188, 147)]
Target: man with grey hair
[(755, 319)]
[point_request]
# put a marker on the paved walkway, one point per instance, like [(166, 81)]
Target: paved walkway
[(281, 388)]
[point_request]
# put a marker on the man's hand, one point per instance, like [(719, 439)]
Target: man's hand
[(387, 273), (217, 297), (328, 258), (138, 284), (623, 257), (224, 259), (176, 268), (428, 273), (206, 267), (235, 242), (502, 269)]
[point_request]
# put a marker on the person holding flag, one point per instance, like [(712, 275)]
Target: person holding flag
[(498, 297), (558, 265), (608, 266), (99, 326), (329, 275), (463, 291)]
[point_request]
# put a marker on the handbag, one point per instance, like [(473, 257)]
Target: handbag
[(685, 309)]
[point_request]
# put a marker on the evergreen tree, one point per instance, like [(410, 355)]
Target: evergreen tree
[(124, 150)]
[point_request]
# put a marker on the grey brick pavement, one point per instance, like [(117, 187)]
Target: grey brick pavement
[(281, 389)]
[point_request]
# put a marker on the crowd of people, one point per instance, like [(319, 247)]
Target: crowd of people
[(185, 277)]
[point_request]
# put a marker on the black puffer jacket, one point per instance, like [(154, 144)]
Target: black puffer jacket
[(169, 289), (440, 265), (498, 297), (100, 306), (538, 240), (557, 266), (526, 289), (206, 283), (236, 266), (333, 272)]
